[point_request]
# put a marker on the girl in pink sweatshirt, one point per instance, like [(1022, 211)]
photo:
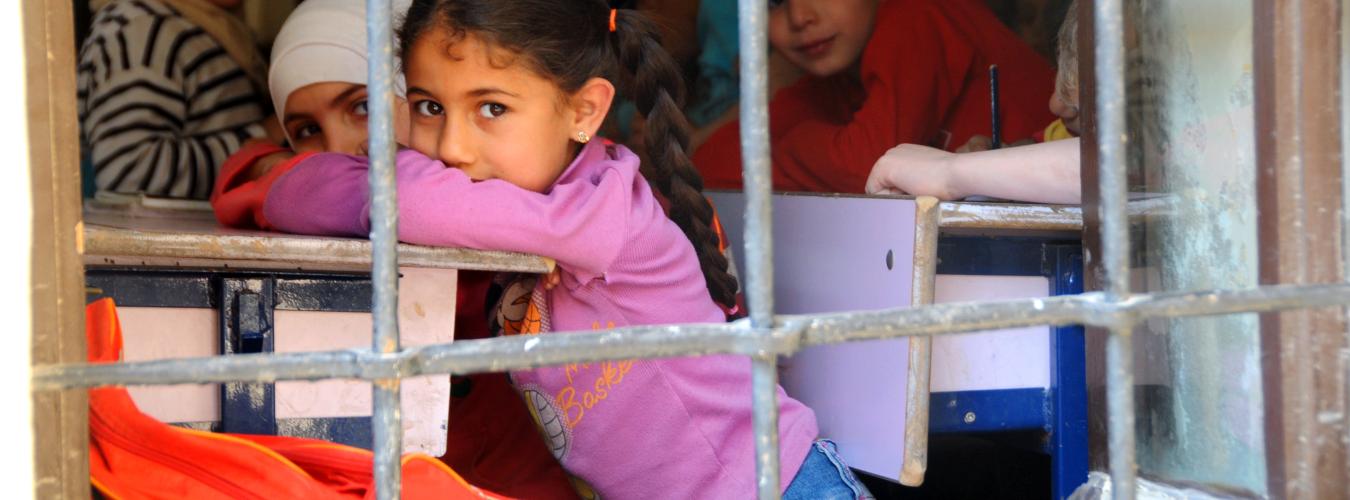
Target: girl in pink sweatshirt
[(505, 99)]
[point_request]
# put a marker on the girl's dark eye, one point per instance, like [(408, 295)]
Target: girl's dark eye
[(428, 108), (305, 131), (360, 109), (776, 3), (491, 110)]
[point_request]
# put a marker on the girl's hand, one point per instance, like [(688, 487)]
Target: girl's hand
[(553, 278), (264, 165), (976, 143), (915, 170)]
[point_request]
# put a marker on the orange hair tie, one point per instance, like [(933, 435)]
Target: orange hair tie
[(613, 13)]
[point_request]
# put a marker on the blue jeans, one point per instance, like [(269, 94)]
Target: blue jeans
[(823, 476)]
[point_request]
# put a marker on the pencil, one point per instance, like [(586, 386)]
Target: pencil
[(995, 136)]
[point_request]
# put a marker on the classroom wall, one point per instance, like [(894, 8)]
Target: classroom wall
[(266, 18), (1201, 411)]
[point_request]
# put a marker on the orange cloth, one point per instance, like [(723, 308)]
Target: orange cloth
[(132, 455)]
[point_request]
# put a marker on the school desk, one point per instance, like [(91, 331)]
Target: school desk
[(187, 287), (846, 253)]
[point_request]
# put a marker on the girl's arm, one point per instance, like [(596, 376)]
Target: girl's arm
[(1043, 173), (581, 223)]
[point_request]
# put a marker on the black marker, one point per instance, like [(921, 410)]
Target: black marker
[(995, 141)]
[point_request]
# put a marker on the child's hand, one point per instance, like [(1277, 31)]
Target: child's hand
[(265, 164), (979, 143), (553, 278), (976, 143), (915, 170)]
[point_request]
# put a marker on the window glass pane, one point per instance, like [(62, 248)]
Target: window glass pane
[(1200, 416)]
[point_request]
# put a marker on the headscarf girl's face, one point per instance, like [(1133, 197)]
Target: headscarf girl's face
[(332, 117), (482, 110)]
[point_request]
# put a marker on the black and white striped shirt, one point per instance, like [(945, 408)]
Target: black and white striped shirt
[(161, 103)]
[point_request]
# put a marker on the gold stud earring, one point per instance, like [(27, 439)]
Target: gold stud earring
[(583, 137)]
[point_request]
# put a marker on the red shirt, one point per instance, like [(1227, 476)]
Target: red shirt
[(924, 80)]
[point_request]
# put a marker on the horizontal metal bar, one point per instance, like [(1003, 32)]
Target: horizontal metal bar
[(641, 342)]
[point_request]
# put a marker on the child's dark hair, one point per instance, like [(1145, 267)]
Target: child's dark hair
[(570, 42)]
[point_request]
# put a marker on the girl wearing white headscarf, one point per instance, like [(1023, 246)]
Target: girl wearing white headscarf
[(318, 76), (318, 87)]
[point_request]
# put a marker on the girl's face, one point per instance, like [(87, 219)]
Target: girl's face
[(331, 117), (822, 37), (481, 110)]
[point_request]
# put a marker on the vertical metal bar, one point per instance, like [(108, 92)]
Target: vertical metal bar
[(1111, 139), (927, 218), (755, 153), (764, 383), (753, 19), (1108, 21), (386, 420), (1120, 407)]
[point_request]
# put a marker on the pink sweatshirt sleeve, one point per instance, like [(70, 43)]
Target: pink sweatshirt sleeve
[(581, 222)]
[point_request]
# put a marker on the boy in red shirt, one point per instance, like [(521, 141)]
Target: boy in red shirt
[(883, 73)]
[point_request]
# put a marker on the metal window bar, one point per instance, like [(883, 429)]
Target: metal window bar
[(763, 337), (386, 420), (752, 17), (1109, 23)]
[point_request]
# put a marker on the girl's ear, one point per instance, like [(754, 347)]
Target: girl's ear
[(590, 104)]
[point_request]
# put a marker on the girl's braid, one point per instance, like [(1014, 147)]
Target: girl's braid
[(655, 83)]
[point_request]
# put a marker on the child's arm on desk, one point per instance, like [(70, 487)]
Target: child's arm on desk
[(580, 222), (1045, 173), (238, 195)]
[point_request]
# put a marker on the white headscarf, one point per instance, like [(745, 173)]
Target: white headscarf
[(324, 41)]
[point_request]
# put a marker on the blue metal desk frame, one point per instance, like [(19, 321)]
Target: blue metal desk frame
[(245, 302), (1061, 412)]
